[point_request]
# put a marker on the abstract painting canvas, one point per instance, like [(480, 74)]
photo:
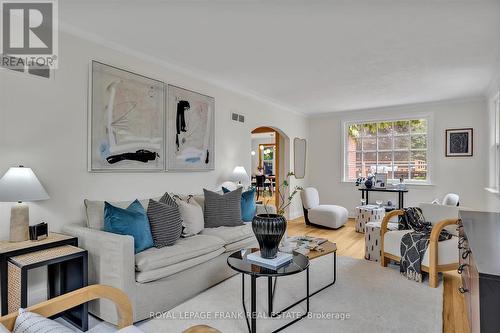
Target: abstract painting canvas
[(190, 130), (459, 142), (126, 121)]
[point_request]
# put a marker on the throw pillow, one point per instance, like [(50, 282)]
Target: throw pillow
[(29, 322), (167, 199), (131, 221), (165, 222), (222, 210), (191, 214), (248, 206)]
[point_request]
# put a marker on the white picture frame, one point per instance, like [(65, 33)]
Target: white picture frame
[(190, 128), (126, 127)]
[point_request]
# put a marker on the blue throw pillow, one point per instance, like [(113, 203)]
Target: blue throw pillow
[(132, 221), (248, 206)]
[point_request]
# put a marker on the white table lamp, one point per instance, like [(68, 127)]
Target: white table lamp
[(20, 184), (240, 176)]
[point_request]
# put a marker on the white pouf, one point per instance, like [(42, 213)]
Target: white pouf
[(369, 213), (372, 239)]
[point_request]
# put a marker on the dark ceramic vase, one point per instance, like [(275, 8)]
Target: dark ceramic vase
[(368, 183), (269, 229)]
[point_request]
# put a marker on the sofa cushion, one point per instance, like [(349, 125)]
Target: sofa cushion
[(230, 234), (447, 250), (94, 210), (242, 244), (163, 272), (183, 249)]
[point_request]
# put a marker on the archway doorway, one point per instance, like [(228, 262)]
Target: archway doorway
[(268, 163)]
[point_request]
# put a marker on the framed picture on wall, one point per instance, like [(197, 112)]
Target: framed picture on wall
[(126, 121), (459, 142), (190, 130)]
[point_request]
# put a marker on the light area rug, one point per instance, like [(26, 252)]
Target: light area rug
[(365, 298)]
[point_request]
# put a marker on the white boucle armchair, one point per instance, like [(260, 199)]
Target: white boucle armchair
[(330, 216)]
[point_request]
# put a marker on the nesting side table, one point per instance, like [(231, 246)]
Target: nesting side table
[(372, 239), (368, 213), (66, 271)]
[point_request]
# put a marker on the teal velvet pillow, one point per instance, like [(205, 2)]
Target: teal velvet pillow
[(132, 221), (248, 206)]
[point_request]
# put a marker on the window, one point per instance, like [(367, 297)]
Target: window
[(495, 144), (396, 147)]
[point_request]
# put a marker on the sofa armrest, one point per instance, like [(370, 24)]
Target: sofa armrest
[(111, 262), (265, 209)]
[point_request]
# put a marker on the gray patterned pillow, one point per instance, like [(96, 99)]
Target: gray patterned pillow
[(165, 221), (29, 322), (222, 209)]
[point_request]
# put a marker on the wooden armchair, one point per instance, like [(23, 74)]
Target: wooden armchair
[(432, 262), (70, 300)]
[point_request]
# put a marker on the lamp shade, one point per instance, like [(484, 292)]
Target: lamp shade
[(21, 184), (240, 175)]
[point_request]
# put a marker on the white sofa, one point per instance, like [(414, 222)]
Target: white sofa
[(156, 280), (330, 216)]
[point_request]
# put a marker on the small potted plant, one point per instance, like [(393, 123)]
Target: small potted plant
[(270, 228)]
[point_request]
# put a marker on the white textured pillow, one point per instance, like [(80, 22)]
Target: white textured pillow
[(191, 214), (29, 322)]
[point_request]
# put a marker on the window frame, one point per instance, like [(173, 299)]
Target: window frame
[(345, 123), (494, 144)]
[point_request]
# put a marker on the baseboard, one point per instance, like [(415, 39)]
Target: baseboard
[(295, 215)]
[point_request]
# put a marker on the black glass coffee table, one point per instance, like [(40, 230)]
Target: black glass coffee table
[(238, 262)]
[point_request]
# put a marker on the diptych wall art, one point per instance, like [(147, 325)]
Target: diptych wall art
[(131, 130), (126, 121), (190, 131)]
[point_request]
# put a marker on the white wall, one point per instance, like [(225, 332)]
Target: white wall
[(465, 176), (43, 125)]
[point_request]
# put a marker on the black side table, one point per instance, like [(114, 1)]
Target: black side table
[(365, 191), (238, 262), (66, 267)]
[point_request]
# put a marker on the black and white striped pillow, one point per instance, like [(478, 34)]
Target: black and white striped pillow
[(222, 209), (165, 221)]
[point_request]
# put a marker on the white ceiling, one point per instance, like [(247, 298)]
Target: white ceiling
[(312, 56)]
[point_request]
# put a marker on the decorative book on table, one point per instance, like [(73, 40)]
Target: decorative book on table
[(280, 260)]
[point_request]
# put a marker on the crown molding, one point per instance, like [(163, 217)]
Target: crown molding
[(182, 69), (402, 107)]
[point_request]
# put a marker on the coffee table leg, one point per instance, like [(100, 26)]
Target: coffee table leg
[(270, 295), (254, 304), (314, 293)]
